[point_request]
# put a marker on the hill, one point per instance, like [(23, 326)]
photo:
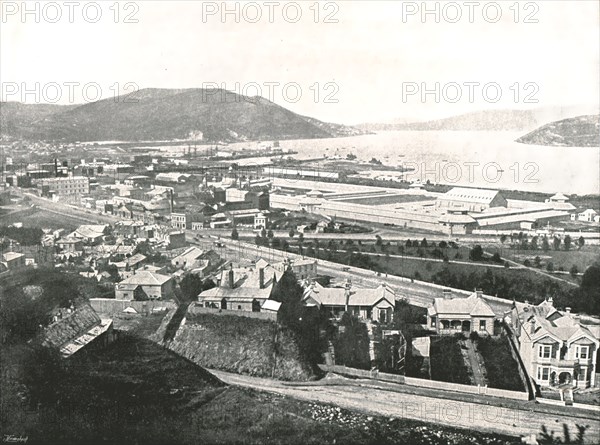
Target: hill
[(581, 131), (486, 120), (164, 115)]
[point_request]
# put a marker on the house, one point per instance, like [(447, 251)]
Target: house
[(90, 233), (471, 199), (145, 285), (77, 328), (371, 304), (196, 259), (131, 264), (449, 315), (555, 346), (589, 215), (69, 244), (260, 221), (243, 288), (13, 260), (304, 269)]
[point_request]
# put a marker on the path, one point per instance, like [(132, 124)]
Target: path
[(475, 362)]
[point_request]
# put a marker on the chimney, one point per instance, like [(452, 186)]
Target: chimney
[(479, 293), (568, 310), (347, 293), (532, 326), (447, 294), (261, 277), (551, 301), (231, 282)]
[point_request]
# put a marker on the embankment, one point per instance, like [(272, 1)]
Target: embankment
[(243, 345)]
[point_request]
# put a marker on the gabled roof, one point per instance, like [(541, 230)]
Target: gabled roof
[(481, 196), (336, 296), (472, 306), (562, 326), (71, 326), (146, 278), (89, 231)]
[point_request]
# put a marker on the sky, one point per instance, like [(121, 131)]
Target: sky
[(346, 61)]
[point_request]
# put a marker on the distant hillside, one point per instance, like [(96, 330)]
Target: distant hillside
[(487, 120), (581, 131), (16, 117), (161, 115)]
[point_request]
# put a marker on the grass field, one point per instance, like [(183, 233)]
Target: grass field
[(40, 219)]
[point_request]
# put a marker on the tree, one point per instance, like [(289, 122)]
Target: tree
[(378, 240), (556, 243), (537, 261), (408, 243), (258, 240), (263, 233), (476, 253), (502, 239), (443, 245), (270, 234), (550, 267), (496, 258), (235, 235), (301, 239), (424, 243), (534, 242), (574, 271), (581, 241), (545, 244), (567, 242), (292, 233), (527, 263), (192, 285)]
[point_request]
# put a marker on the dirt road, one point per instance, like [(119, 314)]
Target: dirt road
[(368, 398)]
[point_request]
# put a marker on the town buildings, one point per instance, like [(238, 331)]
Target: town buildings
[(72, 185)]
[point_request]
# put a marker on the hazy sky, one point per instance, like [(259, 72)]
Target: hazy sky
[(374, 61)]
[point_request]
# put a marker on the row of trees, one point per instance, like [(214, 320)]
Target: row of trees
[(544, 243)]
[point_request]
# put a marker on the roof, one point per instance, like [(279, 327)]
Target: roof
[(559, 197), (190, 255), (562, 326), (8, 256), (481, 196), (146, 278), (336, 296), (68, 328), (271, 305), (246, 284), (90, 231), (472, 306)]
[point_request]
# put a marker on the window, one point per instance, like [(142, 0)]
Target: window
[(545, 351), (433, 322), (482, 326), (582, 352), (582, 375), (543, 373)]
